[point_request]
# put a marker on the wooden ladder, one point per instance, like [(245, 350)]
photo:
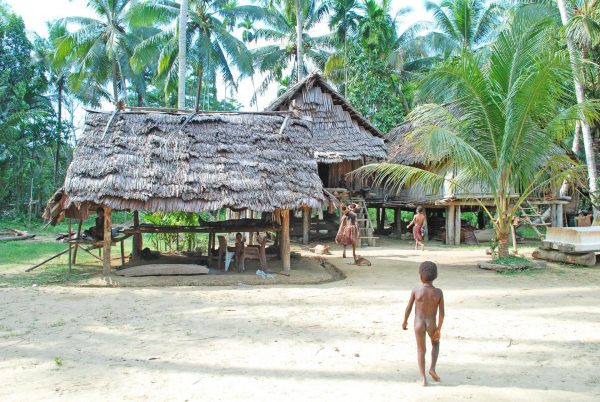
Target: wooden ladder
[(365, 224), (529, 213)]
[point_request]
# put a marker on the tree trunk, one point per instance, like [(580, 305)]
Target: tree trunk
[(59, 129), (503, 238), (115, 85), (300, 64), (140, 99), (580, 94), (564, 189), (199, 88), (183, 18)]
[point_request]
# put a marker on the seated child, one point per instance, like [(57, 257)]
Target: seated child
[(428, 300)]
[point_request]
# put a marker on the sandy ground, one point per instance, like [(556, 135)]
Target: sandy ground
[(526, 337)]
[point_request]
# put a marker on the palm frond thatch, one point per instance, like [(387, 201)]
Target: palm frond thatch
[(177, 162)]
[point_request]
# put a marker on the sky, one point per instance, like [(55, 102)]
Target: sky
[(36, 13)]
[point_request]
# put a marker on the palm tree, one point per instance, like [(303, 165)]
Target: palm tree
[(497, 123), (183, 20), (462, 24), (275, 59), (585, 30), (344, 23), (99, 47), (212, 47)]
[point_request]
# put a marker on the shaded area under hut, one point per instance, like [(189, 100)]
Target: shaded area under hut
[(445, 206), (168, 161), (342, 141)]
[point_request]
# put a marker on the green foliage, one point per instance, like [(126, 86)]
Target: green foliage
[(373, 90), (176, 241)]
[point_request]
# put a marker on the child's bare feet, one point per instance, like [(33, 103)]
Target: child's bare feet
[(423, 381), (434, 375)]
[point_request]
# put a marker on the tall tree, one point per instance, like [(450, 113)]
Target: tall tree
[(213, 48), (497, 123), (586, 132), (183, 19), (98, 49), (462, 25), (344, 23)]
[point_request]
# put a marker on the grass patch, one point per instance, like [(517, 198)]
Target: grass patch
[(58, 361), (55, 274), (511, 261), (27, 251)]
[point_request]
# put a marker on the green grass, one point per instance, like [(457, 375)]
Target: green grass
[(511, 260), (27, 252), (58, 361)]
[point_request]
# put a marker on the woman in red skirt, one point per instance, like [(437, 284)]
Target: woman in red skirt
[(348, 232)]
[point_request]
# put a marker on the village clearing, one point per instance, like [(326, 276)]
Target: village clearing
[(527, 336)]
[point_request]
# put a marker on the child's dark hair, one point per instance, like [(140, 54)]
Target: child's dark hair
[(419, 209), (428, 271), (238, 234)]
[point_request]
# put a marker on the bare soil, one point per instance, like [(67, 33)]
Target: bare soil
[(529, 336)]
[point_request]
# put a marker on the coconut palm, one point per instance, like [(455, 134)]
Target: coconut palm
[(281, 56), (182, 58), (98, 48), (496, 123), (212, 47), (462, 24)]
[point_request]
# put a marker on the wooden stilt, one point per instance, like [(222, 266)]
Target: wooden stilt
[(70, 254), (553, 215), (285, 239), (107, 240), (426, 237), (77, 245), (305, 224), (398, 222), (457, 225), (46, 260), (450, 224), (138, 240)]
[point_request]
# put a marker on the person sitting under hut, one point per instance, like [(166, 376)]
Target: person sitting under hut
[(97, 231)]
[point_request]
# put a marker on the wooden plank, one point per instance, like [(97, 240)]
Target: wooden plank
[(106, 263), (48, 259), (284, 243), (305, 224)]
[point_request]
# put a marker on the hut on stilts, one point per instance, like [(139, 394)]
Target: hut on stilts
[(343, 140), (444, 207), (134, 160)]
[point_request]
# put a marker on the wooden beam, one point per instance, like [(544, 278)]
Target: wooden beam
[(284, 242), (305, 224), (107, 241), (77, 245), (138, 242), (398, 216), (450, 224), (70, 253), (457, 225)]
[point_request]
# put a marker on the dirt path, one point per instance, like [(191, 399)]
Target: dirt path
[(527, 337)]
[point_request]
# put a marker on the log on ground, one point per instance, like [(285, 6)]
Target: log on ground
[(586, 259)]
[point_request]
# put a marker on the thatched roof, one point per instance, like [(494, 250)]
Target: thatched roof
[(340, 132), (401, 149), (177, 162)]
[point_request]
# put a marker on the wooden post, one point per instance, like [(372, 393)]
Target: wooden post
[(398, 216), (137, 237), (305, 224), (284, 243), (426, 238), (107, 240), (450, 224), (559, 216), (70, 247), (457, 225), (77, 245), (553, 215)]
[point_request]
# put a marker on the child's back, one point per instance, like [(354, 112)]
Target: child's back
[(428, 300)]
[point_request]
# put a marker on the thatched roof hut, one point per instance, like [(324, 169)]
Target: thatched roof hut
[(401, 149), (135, 160), (340, 132)]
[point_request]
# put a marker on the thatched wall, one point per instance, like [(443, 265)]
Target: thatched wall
[(339, 131), (169, 162)]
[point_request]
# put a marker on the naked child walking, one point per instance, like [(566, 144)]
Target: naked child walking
[(428, 300)]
